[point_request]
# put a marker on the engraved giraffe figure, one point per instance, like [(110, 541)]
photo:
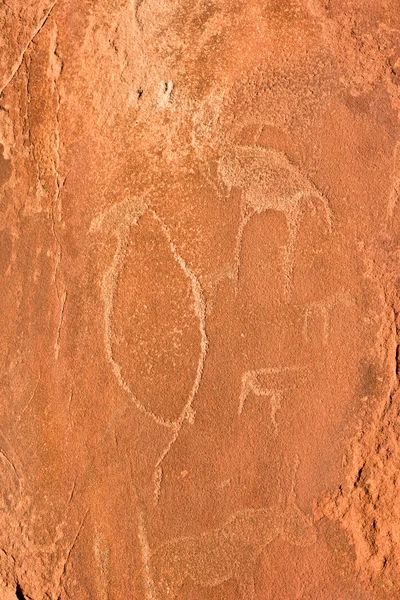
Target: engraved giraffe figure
[(269, 181)]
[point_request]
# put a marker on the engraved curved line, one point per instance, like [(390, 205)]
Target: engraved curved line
[(102, 557), (211, 284), (187, 413), (146, 554), (118, 221), (143, 538)]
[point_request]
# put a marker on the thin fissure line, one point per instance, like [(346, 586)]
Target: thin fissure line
[(22, 56)]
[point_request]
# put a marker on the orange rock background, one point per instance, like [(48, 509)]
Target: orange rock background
[(199, 246)]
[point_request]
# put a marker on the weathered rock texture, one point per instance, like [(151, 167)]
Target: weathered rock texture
[(200, 309)]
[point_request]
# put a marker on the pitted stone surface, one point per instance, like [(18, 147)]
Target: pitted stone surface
[(199, 308)]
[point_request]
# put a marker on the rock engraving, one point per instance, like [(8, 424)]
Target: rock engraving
[(269, 181)]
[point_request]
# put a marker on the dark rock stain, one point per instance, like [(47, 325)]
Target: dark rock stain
[(369, 383)]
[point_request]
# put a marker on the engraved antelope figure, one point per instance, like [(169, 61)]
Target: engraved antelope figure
[(269, 181), (266, 382)]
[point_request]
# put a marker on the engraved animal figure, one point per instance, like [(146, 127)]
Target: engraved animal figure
[(228, 553), (323, 309), (269, 181), (263, 382)]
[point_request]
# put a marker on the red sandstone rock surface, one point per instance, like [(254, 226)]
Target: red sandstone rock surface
[(199, 263)]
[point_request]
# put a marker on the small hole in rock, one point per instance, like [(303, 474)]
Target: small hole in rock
[(139, 94), (19, 593)]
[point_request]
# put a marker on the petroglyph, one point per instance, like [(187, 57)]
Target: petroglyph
[(198, 227), (229, 552), (259, 382), (323, 309), (200, 311), (269, 181), (212, 282), (102, 556), (118, 222), (146, 554)]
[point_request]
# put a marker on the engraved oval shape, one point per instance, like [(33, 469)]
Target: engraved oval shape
[(158, 333)]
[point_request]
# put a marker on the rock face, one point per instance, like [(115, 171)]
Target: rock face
[(200, 300)]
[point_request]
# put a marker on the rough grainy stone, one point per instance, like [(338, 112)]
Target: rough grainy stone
[(200, 306)]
